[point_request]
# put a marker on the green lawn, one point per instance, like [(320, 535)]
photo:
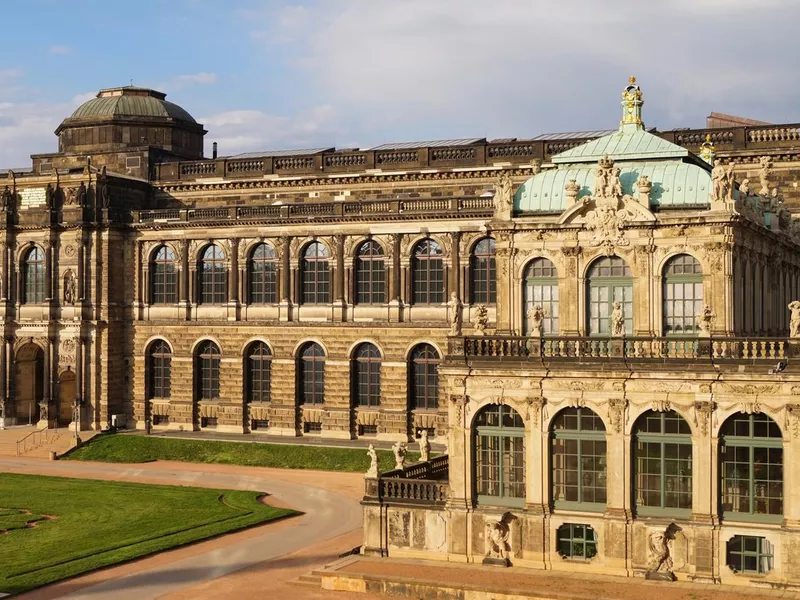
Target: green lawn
[(80, 525), (126, 448)]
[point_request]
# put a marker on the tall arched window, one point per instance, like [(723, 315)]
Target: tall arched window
[(163, 277), (258, 370), (483, 267), (663, 463), (424, 377), (499, 456), (315, 273), (578, 455), (262, 275), (33, 270), (683, 295), (427, 273), (312, 374), (366, 376), (206, 368), (212, 276), (541, 289), (751, 460), (370, 274), (159, 369), (610, 281)]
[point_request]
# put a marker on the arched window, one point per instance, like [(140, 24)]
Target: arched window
[(262, 275), (206, 369), (316, 277), (541, 289), (751, 460), (683, 295), (663, 463), (483, 267), (578, 455), (159, 369), (33, 270), (424, 375), (163, 277), (366, 376), (499, 456), (258, 370), (312, 374), (370, 274), (212, 276), (427, 273), (610, 281)]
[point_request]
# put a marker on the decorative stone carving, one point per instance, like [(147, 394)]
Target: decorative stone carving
[(43, 411), (7, 199), (536, 319), (456, 316), (536, 166), (660, 405), (424, 446), (750, 407), (459, 402), (481, 319), (706, 320), (616, 413), (503, 196), (764, 175), (617, 319), (400, 450), (372, 472), (80, 195), (793, 419), (571, 191), (644, 186), (722, 182), (535, 409), (662, 550), (498, 540), (702, 415), (69, 293)]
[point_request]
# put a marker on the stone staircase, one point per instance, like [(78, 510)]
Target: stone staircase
[(37, 444)]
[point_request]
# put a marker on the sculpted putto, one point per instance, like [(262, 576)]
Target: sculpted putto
[(536, 319), (400, 450), (424, 446), (372, 472), (455, 314), (503, 196), (498, 536), (617, 319)]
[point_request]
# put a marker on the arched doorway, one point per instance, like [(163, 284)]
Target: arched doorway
[(66, 398), (28, 383)]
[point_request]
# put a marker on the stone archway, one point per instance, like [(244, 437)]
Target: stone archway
[(66, 398), (28, 384)]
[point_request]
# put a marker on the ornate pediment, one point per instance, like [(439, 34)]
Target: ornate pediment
[(607, 211)]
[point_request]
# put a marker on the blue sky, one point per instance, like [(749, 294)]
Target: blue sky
[(355, 73)]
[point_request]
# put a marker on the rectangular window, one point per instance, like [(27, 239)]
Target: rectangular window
[(368, 430), (749, 554), (500, 467), (312, 427), (160, 420), (259, 424), (576, 541), (208, 422)]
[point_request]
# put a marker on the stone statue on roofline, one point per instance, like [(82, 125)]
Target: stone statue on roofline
[(764, 175), (722, 183), (503, 196), (794, 321)]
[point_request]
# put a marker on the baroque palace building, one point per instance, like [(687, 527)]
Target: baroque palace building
[(595, 324)]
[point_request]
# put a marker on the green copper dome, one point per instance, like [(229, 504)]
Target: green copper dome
[(678, 177), (130, 102)]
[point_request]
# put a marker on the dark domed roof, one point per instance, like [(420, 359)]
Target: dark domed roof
[(130, 101)]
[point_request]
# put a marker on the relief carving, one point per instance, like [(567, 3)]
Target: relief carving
[(617, 409)]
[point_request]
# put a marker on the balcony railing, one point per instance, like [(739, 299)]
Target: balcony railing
[(632, 348), (423, 483), (432, 207)]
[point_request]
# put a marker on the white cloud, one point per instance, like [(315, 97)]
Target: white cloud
[(60, 50), (239, 131), (521, 67), (197, 78)]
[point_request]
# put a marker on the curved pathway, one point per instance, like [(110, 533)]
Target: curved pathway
[(329, 501)]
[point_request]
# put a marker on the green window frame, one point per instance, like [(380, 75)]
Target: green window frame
[(682, 295), (541, 289), (749, 554), (499, 457), (578, 460), (576, 541), (751, 469), (610, 280), (662, 465)]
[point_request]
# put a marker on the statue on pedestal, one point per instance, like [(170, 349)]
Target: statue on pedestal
[(455, 307), (372, 472), (481, 319), (424, 446), (617, 319), (400, 450), (794, 321)]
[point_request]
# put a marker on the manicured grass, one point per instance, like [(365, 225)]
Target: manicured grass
[(81, 525), (125, 448)]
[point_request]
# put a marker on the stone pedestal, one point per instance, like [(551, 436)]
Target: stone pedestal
[(496, 561)]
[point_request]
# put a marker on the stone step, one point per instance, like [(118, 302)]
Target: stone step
[(308, 580)]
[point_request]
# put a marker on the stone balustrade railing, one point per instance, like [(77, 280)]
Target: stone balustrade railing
[(433, 207), (423, 483), (631, 348)]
